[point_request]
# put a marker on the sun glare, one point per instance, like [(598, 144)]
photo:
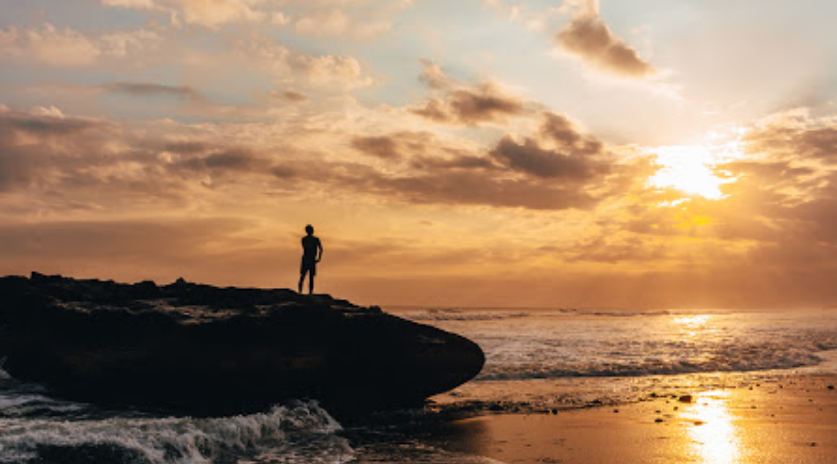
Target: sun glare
[(689, 169), (715, 437)]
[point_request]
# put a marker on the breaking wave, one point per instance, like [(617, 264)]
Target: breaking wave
[(543, 344), (461, 315), (721, 363), (302, 432)]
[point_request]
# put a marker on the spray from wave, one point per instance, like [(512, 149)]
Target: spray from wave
[(302, 432)]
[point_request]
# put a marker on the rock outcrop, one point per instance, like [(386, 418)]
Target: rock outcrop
[(201, 349)]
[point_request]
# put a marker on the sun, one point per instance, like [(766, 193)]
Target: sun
[(689, 169)]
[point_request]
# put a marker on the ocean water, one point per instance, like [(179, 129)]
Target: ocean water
[(538, 360)]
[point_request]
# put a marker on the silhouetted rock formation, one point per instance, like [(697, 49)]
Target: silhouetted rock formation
[(200, 349)]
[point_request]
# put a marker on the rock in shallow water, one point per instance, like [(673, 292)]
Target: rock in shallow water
[(201, 349)]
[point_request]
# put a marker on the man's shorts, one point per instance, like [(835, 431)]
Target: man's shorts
[(308, 265)]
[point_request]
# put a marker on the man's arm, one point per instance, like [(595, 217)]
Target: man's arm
[(320, 248)]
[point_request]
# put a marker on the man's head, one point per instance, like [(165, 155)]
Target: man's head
[(309, 229)]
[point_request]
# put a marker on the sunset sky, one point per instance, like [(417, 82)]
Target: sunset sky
[(642, 153)]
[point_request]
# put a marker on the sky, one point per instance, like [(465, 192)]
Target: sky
[(575, 153)]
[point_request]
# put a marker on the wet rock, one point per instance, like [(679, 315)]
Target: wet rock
[(207, 350), (685, 399)]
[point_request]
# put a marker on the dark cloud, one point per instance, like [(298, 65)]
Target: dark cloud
[(155, 90), (794, 142), (434, 110), (486, 104), (470, 106), (283, 172), (456, 187), (222, 167), (290, 95), (560, 131), (294, 96), (530, 158), (421, 168), (76, 161), (588, 37), (453, 179), (380, 147), (559, 151), (34, 147), (396, 146), (187, 147), (511, 174), (12, 122), (459, 161), (236, 159)]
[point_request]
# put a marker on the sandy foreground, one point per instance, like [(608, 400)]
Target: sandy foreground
[(789, 421)]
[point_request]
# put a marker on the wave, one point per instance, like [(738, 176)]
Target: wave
[(21, 399), (626, 313), (491, 315), (462, 315), (730, 358), (180, 440)]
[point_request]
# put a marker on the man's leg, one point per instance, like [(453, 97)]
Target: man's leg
[(301, 279), (311, 283)]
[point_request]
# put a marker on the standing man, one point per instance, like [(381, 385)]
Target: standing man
[(312, 253)]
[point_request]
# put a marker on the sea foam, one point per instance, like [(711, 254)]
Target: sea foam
[(179, 440)]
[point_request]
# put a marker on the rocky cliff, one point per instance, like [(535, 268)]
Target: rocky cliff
[(201, 349)]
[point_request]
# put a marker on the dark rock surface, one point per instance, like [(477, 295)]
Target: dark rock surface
[(200, 349)]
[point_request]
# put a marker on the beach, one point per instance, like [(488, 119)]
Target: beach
[(789, 421)]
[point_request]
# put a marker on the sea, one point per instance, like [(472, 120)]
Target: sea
[(538, 361)]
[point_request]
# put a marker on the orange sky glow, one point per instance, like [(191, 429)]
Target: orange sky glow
[(488, 153)]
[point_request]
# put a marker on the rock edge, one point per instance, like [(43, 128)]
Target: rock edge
[(201, 349)]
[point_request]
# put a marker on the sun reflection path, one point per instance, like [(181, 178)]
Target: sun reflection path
[(714, 435), (692, 320), (693, 325)]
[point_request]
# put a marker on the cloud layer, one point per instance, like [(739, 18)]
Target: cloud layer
[(588, 37)]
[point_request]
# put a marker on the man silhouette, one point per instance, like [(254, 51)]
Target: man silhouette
[(312, 253)]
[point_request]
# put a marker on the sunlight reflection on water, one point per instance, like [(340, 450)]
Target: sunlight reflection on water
[(693, 320), (692, 325), (714, 434)]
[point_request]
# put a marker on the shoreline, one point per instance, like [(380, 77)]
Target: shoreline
[(782, 420)]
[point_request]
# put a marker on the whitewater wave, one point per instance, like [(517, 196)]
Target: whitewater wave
[(730, 358), (627, 313), (462, 315), (302, 432), (452, 314)]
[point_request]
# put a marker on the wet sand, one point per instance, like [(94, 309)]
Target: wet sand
[(789, 421)]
